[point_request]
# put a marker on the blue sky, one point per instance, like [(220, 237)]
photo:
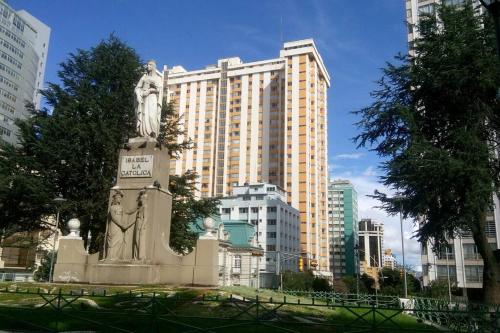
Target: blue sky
[(355, 39)]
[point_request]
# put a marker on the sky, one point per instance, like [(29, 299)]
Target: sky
[(354, 38)]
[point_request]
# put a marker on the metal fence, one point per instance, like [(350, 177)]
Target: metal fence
[(186, 311), (349, 299)]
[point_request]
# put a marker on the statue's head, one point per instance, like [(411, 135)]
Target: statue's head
[(117, 196), (151, 66)]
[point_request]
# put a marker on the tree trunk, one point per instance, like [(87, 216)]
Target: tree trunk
[(491, 270)]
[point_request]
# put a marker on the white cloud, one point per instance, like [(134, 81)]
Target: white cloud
[(353, 156), (369, 172), (334, 166), (365, 184)]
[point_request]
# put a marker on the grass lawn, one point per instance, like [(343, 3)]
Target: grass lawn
[(175, 309)]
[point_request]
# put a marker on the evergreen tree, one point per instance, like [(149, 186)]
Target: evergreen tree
[(435, 120)]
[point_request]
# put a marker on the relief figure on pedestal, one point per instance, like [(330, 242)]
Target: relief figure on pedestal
[(139, 252), (149, 94), (119, 231)]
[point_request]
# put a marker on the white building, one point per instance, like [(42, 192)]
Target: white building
[(277, 225), (24, 41), (371, 242), (415, 9)]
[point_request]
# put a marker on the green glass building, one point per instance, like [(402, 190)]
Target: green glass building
[(342, 227)]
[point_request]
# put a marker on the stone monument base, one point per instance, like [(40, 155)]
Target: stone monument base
[(137, 237), (200, 267)]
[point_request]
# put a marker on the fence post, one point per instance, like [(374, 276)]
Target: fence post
[(374, 319), (257, 307)]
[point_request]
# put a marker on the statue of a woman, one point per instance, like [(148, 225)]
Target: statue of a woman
[(118, 230), (149, 95)]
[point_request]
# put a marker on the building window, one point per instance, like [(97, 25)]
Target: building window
[(470, 252), (271, 235), (271, 222), (442, 272), (226, 210), (474, 273), (243, 210), (271, 247), (271, 209), (237, 261)]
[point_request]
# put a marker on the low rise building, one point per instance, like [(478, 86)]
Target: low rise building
[(239, 255), (277, 226)]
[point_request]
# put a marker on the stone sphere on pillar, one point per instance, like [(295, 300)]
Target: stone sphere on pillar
[(74, 227)]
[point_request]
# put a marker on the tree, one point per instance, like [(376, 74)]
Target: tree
[(321, 284), (73, 150), (435, 121), (186, 208), (42, 272), (366, 283), (298, 281), (392, 283)]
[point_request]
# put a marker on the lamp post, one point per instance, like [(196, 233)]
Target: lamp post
[(403, 251), (400, 199), (58, 201), (493, 7), (356, 250)]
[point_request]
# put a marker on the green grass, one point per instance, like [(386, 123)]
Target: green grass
[(178, 308)]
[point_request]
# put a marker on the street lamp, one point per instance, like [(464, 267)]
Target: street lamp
[(58, 201), (356, 250), (400, 199), (493, 7)]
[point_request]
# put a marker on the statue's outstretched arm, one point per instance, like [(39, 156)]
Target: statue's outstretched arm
[(138, 90)]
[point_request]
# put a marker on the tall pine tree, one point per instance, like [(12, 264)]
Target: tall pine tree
[(436, 120)]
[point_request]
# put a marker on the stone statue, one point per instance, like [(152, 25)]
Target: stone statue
[(118, 235), (139, 250), (149, 95)]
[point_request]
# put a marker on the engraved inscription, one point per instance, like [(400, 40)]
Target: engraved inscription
[(137, 166)]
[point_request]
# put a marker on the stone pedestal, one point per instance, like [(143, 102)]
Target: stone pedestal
[(138, 252)]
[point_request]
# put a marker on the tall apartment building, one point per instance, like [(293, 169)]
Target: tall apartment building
[(261, 122), (371, 242), (459, 261), (277, 225), (342, 227), (416, 8), (24, 42)]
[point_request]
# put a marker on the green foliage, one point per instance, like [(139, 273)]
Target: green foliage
[(321, 284), (439, 289), (392, 283), (350, 283), (73, 149), (170, 130), (435, 120), (186, 208), (366, 284), (42, 272), (298, 281)]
